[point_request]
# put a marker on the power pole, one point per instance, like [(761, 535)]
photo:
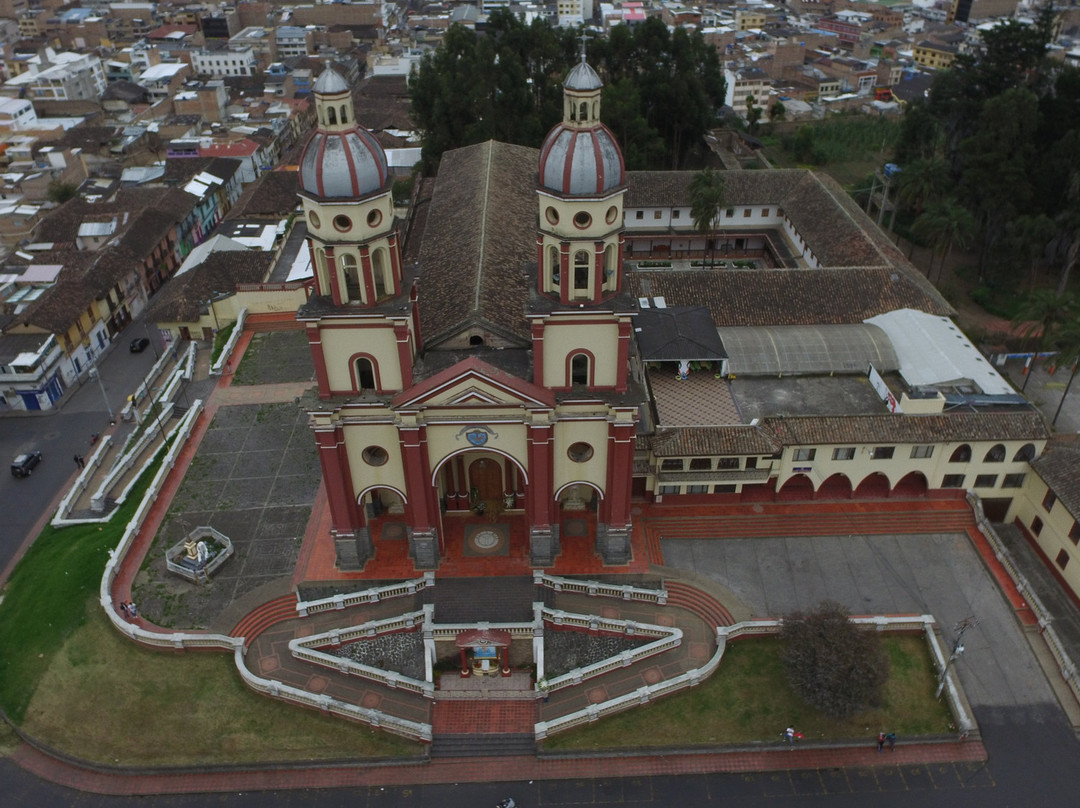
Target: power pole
[(957, 649)]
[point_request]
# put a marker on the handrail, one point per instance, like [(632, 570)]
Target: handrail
[(374, 594), (599, 589)]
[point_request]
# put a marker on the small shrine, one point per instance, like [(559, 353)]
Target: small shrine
[(197, 556), (484, 652)]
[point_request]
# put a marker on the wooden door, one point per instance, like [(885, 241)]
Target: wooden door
[(485, 475)]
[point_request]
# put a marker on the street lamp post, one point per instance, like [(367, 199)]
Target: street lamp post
[(94, 374), (957, 650), (146, 327)]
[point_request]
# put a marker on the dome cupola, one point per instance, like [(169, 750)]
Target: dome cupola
[(341, 160), (580, 156)]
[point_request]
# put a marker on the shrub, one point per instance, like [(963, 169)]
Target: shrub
[(833, 664)]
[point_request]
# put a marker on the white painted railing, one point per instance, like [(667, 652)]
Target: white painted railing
[(366, 596), (643, 695), (230, 345), (1065, 664), (271, 687), (598, 589), (307, 649)]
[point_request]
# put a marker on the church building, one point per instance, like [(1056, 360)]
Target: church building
[(491, 375)]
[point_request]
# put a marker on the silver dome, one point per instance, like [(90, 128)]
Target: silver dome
[(330, 82), (343, 165), (581, 161), (582, 77)]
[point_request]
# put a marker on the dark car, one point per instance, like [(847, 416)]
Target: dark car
[(139, 344), (22, 465)]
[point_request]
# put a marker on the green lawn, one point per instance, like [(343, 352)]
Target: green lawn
[(748, 700)]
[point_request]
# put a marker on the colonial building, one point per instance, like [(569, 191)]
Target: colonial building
[(550, 337)]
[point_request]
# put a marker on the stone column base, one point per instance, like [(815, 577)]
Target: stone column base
[(353, 549), (424, 548), (613, 544), (543, 545)]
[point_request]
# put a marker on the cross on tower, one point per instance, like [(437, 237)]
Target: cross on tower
[(584, 38)]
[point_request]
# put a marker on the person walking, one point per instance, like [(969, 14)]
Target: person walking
[(890, 739), (880, 741)]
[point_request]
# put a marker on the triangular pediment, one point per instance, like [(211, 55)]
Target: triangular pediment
[(473, 382)]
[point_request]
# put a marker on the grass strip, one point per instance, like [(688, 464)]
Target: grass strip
[(748, 700)]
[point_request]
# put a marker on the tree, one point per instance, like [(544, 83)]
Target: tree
[(944, 224), (1040, 315), (923, 181), (753, 113), (835, 666), (61, 192), (777, 111), (1068, 355), (706, 199)]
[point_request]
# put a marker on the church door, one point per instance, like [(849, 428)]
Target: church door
[(485, 475)]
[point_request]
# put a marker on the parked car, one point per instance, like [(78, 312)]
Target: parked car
[(139, 344), (22, 465)]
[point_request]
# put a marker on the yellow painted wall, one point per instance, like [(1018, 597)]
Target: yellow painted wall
[(562, 338), (595, 433), (606, 215), (1057, 523), (392, 473), (340, 344), (445, 440)]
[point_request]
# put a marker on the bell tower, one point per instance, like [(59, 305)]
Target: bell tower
[(345, 191), (582, 182)]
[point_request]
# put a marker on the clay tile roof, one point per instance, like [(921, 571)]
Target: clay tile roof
[(726, 440), (473, 261), (1021, 424), (183, 298), (272, 195), (147, 230), (1059, 467)]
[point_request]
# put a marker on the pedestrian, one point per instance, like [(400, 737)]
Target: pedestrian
[(78, 461), (131, 609), (890, 739), (880, 741), (124, 609), (789, 733)]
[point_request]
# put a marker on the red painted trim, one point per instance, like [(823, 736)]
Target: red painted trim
[(564, 272), (315, 342), (414, 295), (569, 367), (538, 501), (401, 333), (474, 367), (538, 352), (374, 369), (369, 281), (395, 262), (332, 271), (568, 163)]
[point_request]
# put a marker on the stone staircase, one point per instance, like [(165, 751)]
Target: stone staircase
[(486, 600), (451, 745), (266, 615), (699, 602)]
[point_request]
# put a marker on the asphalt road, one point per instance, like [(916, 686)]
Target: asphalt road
[(60, 436)]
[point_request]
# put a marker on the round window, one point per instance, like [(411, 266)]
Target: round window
[(551, 215), (580, 452), (342, 222), (313, 217), (582, 219), (374, 218), (612, 214), (375, 455)]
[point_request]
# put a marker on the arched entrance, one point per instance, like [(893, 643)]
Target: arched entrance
[(876, 486), (911, 486), (485, 479), (798, 487), (837, 486)]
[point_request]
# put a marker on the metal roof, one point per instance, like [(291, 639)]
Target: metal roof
[(800, 350)]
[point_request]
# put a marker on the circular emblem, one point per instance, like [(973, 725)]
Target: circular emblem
[(485, 539)]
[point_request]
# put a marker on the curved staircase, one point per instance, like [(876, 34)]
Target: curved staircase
[(264, 616)]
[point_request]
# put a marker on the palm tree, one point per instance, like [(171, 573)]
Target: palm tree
[(1040, 315), (922, 182), (945, 224), (706, 199), (1068, 347)]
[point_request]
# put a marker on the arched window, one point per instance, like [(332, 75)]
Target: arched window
[(553, 266), (609, 266), (1025, 453), (378, 271), (475, 341), (581, 271), (996, 454), (353, 289), (331, 116), (365, 374), (324, 278), (584, 114), (961, 454), (344, 114), (579, 369)]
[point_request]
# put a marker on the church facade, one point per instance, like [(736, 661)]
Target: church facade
[(491, 374)]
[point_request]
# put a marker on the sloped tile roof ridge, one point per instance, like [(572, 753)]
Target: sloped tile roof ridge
[(1059, 467), (889, 428), (718, 440)]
